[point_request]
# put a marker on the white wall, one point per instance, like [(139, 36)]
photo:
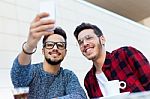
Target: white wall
[(15, 18)]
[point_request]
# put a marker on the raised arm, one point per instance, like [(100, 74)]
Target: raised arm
[(22, 71), (37, 29)]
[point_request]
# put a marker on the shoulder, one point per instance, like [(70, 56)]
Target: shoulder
[(67, 72), (127, 52), (125, 49), (69, 75), (36, 67)]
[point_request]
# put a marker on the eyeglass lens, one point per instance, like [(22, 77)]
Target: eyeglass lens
[(50, 45)]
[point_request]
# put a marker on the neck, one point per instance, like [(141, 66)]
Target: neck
[(53, 69), (99, 62)]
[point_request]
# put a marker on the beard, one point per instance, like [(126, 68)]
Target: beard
[(53, 62), (95, 54)]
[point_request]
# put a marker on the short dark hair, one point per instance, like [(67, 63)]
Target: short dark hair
[(83, 26), (59, 31)]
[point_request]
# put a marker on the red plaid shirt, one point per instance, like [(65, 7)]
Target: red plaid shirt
[(127, 64)]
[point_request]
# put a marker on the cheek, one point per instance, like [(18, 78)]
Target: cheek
[(64, 53), (81, 48), (45, 52), (98, 48)]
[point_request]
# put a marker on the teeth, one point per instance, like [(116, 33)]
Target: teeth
[(87, 50), (53, 53)]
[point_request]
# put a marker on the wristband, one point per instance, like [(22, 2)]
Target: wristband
[(28, 53)]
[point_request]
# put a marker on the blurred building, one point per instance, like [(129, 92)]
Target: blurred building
[(138, 11), (16, 16)]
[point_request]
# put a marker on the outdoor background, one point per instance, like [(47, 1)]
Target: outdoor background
[(15, 18)]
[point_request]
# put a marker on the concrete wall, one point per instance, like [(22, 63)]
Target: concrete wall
[(15, 18)]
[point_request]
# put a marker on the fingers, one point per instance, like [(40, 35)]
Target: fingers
[(38, 28), (38, 20), (41, 22), (46, 33), (40, 15), (42, 28), (40, 25)]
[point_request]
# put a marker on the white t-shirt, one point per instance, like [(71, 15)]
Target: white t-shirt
[(101, 78)]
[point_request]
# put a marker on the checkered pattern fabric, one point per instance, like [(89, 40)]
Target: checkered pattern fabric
[(126, 64)]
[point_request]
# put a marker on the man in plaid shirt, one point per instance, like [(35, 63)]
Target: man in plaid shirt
[(125, 64)]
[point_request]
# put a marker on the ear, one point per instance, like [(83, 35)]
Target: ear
[(102, 39), (65, 52), (43, 51)]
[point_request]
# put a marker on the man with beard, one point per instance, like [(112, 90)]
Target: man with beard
[(124, 64), (46, 80)]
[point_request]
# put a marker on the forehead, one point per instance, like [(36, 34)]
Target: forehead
[(86, 32), (55, 38)]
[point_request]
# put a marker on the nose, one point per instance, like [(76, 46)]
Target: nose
[(55, 46), (85, 43)]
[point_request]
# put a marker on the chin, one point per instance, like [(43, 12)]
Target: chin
[(90, 57), (93, 56)]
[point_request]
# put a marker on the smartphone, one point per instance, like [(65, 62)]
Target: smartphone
[(48, 6)]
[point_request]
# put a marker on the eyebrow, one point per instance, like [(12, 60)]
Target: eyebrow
[(84, 37), (56, 42)]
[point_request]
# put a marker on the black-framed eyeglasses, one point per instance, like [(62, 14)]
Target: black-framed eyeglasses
[(51, 44)]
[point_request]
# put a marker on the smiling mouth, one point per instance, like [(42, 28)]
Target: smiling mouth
[(88, 49), (54, 53)]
